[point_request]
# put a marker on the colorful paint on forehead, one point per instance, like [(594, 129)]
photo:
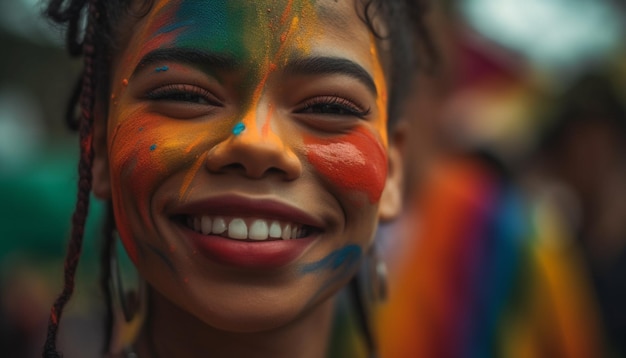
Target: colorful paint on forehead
[(297, 38), (157, 33), (254, 33), (213, 26), (249, 32), (356, 161), (280, 33), (147, 39)]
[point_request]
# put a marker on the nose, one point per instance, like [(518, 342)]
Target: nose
[(255, 155)]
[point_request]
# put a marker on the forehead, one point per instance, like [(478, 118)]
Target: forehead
[(244, 27)]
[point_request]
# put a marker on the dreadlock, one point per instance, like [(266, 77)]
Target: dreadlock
[(86, 154), (408, 38)]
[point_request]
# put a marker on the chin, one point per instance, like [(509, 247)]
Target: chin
[(252, 321), (245, 309)]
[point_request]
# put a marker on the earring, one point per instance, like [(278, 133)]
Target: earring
[(130, 301), (377, 272)]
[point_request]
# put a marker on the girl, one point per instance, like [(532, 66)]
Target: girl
[(248, 150)]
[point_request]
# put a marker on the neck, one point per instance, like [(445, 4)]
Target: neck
[(173, 332)]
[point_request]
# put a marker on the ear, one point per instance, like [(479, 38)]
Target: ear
[(391, 201), (100, 168)]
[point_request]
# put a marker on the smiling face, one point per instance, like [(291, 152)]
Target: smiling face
[(247, 154)]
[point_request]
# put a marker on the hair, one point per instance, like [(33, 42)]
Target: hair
[(405, 30)]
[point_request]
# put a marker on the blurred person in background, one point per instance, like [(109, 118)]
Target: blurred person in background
[(581, 162), (482, 264)]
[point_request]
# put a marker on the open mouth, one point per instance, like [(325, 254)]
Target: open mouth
[(248, 228)]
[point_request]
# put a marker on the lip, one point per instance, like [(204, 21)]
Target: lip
[(252, 255), (247, 254)]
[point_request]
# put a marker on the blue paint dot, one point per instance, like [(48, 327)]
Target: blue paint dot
[(239, 127), (152, 147), (162, 69)]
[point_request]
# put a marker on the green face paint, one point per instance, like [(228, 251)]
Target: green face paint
[(255, 35)]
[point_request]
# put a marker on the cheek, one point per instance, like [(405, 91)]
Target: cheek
[(135, 169), (355, 162), (144, 152)]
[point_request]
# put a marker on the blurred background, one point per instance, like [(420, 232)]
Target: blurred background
[(513, 241), (38, 181)]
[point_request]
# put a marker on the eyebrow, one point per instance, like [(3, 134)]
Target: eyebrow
[(316, 65), (187, 56), (330, 66)]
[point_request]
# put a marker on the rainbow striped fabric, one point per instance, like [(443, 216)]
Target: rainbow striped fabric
[(484, 270)]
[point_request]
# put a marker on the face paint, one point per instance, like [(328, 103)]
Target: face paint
[(338, 265), (348, 256), (355, 161), (147, 153), (199, 78), (239, 127)]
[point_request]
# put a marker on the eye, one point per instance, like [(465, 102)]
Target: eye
[(183, 93), (333, 105)]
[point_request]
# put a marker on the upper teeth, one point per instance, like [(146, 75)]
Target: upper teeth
[(241, 229)]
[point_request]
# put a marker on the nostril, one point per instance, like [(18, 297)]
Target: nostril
[(237, 167), (274, 171), (253, 158)]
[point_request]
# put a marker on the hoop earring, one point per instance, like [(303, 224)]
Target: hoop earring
[(131, 302), (377, 273)]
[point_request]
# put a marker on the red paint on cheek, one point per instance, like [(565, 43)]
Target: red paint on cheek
[(355, 162)]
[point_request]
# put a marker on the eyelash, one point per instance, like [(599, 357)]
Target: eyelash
[(333, 105), (183, 93)]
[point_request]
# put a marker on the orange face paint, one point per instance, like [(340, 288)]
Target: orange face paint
[(147, 153)]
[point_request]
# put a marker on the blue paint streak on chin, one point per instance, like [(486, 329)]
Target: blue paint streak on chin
[(345, 257)]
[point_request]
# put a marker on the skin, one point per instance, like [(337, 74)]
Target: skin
[(316, 140)]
